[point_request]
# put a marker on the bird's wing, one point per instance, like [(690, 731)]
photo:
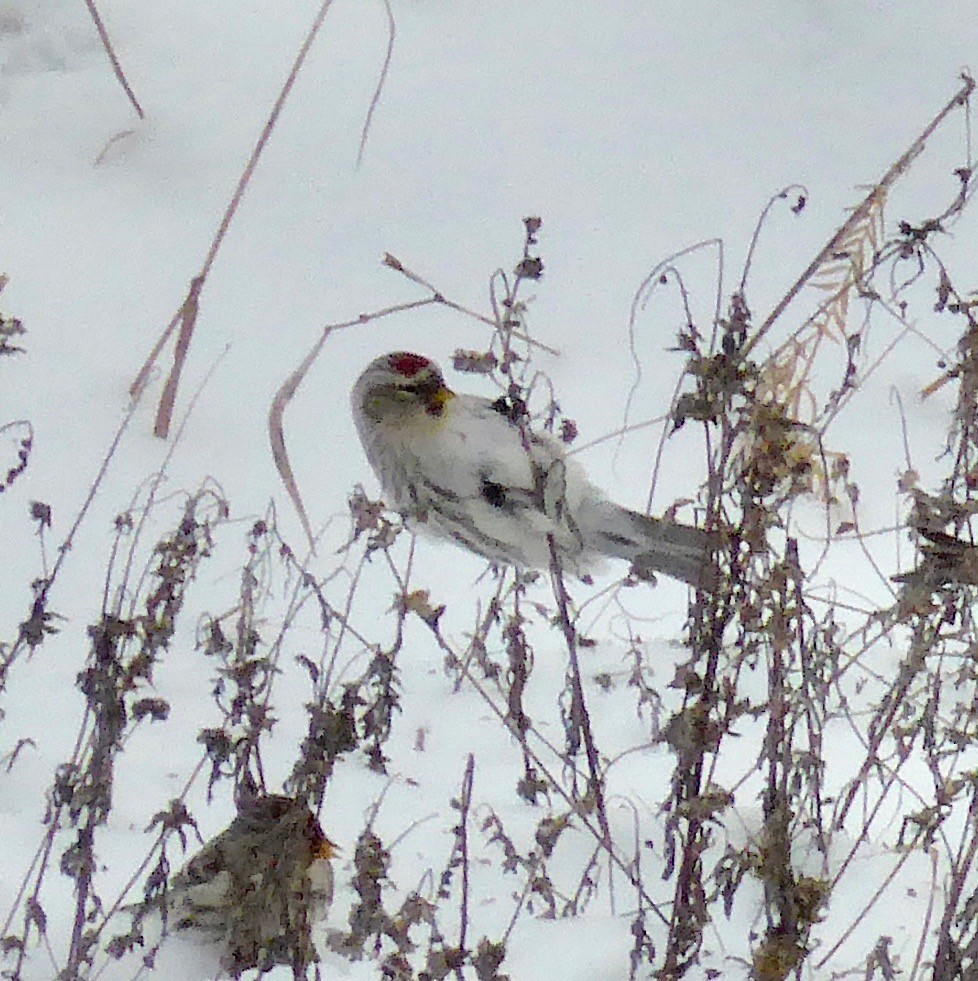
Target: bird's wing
[(496, 487)]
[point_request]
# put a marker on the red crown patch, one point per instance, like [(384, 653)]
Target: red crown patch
[(408, 364)]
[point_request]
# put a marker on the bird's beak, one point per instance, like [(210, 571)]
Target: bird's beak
[(327, 849), (438, 399)]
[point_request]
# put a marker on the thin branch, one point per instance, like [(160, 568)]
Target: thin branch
[(579, 713), (780, 196), (640, 299), (39, 611), (465, 802), (187, 313), (392, 262), (288, 388), (863, 211), (116, 66), (381, 81)]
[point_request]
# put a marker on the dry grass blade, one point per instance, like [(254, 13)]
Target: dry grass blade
[(110, 51), (186, 315), (286, 392), (385, 68), (187, 318)]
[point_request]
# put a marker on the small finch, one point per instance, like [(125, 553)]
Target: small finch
[(259, 885), (459, 467)]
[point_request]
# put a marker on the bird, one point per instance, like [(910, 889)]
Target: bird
[(259, 885), (470, 470)]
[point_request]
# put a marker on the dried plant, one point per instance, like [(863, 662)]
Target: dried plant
[(749, 811), (19, 431)]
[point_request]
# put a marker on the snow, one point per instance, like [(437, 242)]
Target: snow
[(633, 130)]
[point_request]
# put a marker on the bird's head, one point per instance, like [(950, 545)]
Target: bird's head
[(401, 387)]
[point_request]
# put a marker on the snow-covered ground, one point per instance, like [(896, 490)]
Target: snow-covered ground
[(633, 130)]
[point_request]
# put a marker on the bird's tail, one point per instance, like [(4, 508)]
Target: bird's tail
[(650, 544)]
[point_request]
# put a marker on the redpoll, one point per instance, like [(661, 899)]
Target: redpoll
[(459, 466), (259, 885)]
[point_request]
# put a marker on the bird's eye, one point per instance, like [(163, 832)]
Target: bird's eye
[(374, 406)]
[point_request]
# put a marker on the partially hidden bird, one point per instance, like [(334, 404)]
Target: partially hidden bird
[(469, 469), (259, 885)]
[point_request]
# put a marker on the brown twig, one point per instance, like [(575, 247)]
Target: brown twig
[(375, 101), (862, 212), (947, 960), (186, 315), (116, 66), (392, 262), (32, 630), (579, 714), (288, 388), (465, 802), (782, 195)]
